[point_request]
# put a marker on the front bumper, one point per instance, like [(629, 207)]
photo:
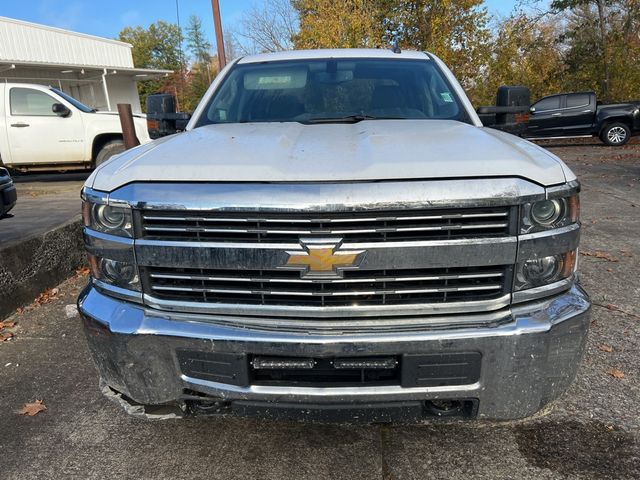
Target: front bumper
[(524, 363)]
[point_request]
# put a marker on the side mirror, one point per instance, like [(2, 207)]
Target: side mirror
[(60, 110), (532, 109)]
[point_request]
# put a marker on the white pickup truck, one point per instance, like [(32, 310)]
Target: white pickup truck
[(335, 237), (43, 128)]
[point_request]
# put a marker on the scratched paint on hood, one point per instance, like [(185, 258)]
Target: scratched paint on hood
[(368, 150)]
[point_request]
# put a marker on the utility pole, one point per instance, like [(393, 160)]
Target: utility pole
[(222, 61), (605, 53)]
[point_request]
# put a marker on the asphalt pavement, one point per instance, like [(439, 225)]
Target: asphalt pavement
[(593, 431), (45, 201)]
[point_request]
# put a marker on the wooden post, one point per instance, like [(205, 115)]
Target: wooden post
[(128, 129), (217, 23)]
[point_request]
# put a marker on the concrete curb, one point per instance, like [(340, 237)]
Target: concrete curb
[(31, 266)]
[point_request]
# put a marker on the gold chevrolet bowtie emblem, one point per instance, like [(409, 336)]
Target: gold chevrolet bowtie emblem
[(322, 258)]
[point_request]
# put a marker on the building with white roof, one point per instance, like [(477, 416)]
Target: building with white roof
[(97, 71)]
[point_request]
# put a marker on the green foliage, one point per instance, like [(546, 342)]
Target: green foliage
[(202, 69), (155, 47), (525, 51), (198, 45), (578, 45), (455, 30), (158, 46), (197, 82), (343, 24), (602, 47)]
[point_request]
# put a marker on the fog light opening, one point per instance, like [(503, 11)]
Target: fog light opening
[(119, 273), (539, 270), (444, 408)]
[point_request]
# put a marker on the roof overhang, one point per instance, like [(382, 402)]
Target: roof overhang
[(63, 70)]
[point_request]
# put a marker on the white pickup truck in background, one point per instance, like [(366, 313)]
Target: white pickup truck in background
[(44, 128)]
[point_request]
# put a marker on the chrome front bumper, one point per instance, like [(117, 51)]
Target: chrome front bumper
[(525, 363)]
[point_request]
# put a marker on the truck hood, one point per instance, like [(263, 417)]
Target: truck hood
[(368, 150)]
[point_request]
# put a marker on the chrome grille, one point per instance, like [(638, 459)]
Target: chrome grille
[(356, 288), (358, 226)]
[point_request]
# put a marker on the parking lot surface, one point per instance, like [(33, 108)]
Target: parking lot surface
[(45, 201), (593, 431)]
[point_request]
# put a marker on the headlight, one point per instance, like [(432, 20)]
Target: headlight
[(111, 219), (119, 274), (550, 213), (537, 272), (546, 212)]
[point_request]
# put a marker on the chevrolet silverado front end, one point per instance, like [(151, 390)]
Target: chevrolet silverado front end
[(335, 237)]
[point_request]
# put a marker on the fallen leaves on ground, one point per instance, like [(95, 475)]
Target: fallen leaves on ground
[(46, 296), (4, 336), (615, 373), (605, 348), (33, 408), (599, 254), (82, 272), (615, 308)]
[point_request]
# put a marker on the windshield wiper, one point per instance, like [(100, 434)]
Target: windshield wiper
[(350, 119)]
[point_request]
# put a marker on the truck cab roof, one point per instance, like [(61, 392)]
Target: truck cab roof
[(334, 53)]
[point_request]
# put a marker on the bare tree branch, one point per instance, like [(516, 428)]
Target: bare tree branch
[(267, 26)]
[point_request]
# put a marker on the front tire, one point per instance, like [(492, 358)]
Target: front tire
[(615, 134), (108, 150)]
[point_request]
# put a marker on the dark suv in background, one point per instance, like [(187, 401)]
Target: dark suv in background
[(580, 114)]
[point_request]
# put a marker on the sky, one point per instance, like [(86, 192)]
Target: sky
[(105, 18)]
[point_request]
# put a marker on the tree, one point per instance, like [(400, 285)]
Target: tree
[(198, 45), (582, 8), (524, 51), (455, 30), (158, 46), (625, 51), (200, 74), (197, 82), (345, 24), (602, 46), (155, 47), (266, 27)]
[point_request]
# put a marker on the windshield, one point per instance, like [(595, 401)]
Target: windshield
[(79, 105), (325, 91)]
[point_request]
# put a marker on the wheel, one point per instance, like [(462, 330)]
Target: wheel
[(5, 209), (108, 150), (615, 134)]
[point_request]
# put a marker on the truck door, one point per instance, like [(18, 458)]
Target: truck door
[(579, 113), (545, 119), (36, 134)]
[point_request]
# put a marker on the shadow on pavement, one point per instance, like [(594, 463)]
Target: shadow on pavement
[(51, 177)]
